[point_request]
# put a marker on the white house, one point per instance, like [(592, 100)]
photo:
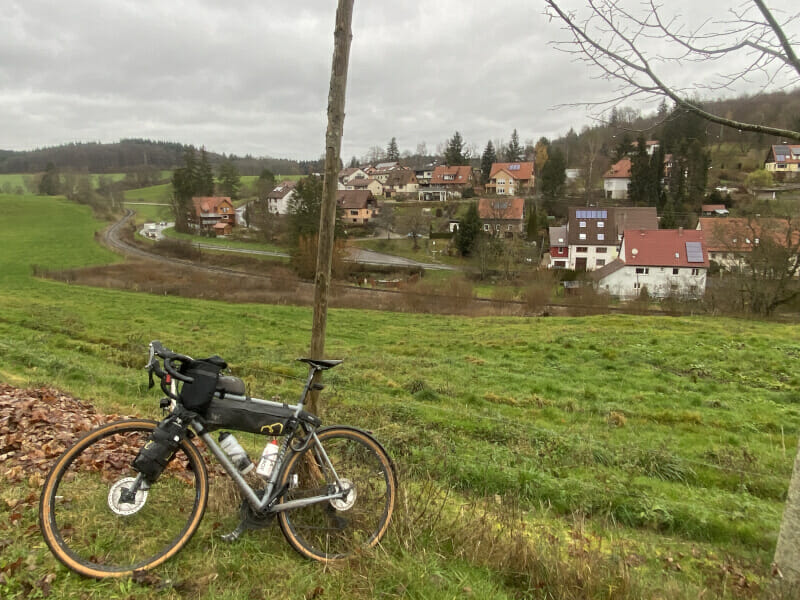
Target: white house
[(668, 262), (278, 199), (617, 179)]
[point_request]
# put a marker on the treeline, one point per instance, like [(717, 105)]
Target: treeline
[(130, 154)]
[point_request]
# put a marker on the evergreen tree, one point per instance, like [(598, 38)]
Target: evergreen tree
[(229, 180), (468, 230), (454, 154), (392, 151), (514, 149), (49, 183), (205, 176), (353, 163), (488, 158), (553, 175), (265, 184), (640, 185)]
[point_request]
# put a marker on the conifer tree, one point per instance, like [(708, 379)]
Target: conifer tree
[(454, 154), (514, 149), (392, 151), (488, 158)]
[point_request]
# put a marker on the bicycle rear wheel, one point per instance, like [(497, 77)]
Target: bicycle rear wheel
[(334, 529), (91, 532)]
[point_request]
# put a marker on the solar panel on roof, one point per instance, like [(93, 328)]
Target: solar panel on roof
[(513, 167), (591, 214), (694, 252)]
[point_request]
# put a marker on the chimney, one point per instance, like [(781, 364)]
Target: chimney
[(680, 231)]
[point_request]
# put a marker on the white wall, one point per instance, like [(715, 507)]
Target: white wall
[(659, 282)]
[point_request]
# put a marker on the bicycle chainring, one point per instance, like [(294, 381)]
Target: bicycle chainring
[(251, 519)]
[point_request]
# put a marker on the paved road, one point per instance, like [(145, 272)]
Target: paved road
[(357, 255)]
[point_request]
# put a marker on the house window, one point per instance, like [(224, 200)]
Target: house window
[(601, 224), (675, 271), (601, 236), (642, 270), (581, 249), (501, 181), (486, 227), (637, 285), (581, 236), (601, 262), (582, 224), (601, 250), (497, 227), (511, 228), (695, 271), (353, 212)]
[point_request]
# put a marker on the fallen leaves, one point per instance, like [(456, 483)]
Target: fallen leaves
[(36, 426)]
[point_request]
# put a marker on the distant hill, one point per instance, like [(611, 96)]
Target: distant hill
[(129, 154)]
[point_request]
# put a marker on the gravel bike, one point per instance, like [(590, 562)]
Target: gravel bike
[(129, 495)]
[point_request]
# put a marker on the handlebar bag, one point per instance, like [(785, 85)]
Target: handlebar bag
[(197, 395)]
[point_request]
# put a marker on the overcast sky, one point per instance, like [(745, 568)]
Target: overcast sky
[(242, 77)]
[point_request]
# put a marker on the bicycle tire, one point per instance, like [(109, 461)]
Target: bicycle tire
[(93, 539), (333, 530)]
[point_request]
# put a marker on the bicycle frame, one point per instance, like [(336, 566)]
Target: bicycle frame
[(268, 501)]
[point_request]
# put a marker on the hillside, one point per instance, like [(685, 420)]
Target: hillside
[(648, 456)]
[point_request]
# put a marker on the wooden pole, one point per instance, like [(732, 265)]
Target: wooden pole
[(342, 37)]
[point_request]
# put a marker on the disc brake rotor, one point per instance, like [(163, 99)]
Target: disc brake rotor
[(125, 508), (349, 499)]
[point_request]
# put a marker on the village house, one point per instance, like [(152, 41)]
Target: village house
[(730, 241), (278, 199), (559, 248), (351, 173), (357, 206), (369, 184), (402, 181), (212, 214), (452, 178), (594, 234), (714, 210), (502, 217), (617, 179), (510, 178), (665, 262), (784, 158)]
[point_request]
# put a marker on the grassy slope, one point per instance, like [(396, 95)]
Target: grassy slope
[(680, 431)]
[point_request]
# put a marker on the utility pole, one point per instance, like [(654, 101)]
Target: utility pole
[(342, 37)]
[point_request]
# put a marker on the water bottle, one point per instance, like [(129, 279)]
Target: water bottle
[(268, 458), (235, 452)]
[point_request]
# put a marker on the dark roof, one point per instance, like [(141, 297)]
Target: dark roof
[(354, 199)]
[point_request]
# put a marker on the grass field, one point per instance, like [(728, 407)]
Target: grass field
[(621, 444)]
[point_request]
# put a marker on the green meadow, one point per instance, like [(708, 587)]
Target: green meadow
[(539, 457)]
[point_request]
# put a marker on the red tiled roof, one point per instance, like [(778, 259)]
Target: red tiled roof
[(713, 207), (510, 209), (619, 170), (460, 175), (517, 170), (208, 204), (662, 248), (734, 234)]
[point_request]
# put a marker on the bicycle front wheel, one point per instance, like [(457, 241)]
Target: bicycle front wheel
[(334, 529), (94, 534)]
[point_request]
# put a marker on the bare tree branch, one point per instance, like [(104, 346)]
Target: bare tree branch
[(614, 42)]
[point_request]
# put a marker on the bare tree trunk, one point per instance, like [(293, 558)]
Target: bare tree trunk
[(333, 146), (787, 552)]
